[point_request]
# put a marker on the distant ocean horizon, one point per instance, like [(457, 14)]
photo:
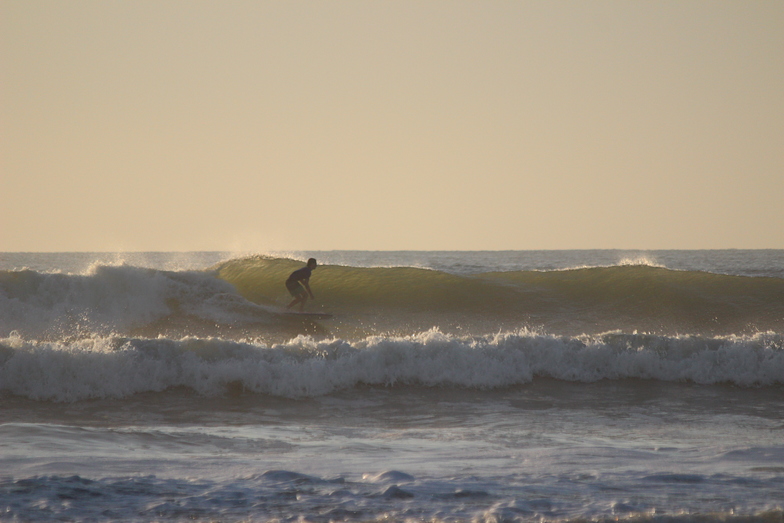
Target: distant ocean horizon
[(563, 385)]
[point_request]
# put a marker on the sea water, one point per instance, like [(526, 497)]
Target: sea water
[(448, 386)]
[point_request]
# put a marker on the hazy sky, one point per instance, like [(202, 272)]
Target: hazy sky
[(268, 125)]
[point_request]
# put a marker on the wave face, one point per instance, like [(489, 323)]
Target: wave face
[(585, 300), (306, 367)]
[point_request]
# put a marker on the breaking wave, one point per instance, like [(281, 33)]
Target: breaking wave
[(304, 366), (243, 298), (630, 296)]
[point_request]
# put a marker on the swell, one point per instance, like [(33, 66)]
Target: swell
[(306, 367), (628, 297), (242, 298)]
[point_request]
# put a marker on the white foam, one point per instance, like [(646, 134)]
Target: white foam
[(105, 367), (645, 260), (113, 299)]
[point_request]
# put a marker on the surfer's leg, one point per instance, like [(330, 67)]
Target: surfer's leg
[(293, 302), (302, 303), (300, 296)]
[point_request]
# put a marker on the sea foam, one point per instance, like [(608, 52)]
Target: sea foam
[(306, 367), (115, 299)]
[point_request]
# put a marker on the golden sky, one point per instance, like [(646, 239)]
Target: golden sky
[(269, 125)]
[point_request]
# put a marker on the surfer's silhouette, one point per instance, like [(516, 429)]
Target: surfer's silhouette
[(295, 284)]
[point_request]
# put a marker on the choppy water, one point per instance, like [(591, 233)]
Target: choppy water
[(455, 386)]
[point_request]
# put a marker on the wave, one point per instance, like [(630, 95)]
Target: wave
[(119, 299), (242, 298), (112, 367), (631, 296)]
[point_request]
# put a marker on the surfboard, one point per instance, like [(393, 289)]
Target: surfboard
[(310, 315)]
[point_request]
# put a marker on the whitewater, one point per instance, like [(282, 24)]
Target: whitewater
[(447, 386)]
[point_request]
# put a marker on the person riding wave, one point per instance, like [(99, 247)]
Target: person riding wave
[(299, 286)]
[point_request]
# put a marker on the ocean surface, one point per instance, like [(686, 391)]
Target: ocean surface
[(447, 386)]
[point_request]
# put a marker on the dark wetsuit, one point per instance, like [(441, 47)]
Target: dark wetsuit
[(293, 285)]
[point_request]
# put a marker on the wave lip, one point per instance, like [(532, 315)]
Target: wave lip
[(305, 367)]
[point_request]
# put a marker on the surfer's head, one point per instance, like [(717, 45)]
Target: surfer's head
[(312, 263)]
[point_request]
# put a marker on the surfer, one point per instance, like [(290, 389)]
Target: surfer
[(295, 284)]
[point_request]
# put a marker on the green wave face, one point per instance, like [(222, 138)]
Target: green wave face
[(642, 298)]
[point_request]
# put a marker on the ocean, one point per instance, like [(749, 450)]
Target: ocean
[(447, 387)]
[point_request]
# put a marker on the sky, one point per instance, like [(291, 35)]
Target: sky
[(391, 125)]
